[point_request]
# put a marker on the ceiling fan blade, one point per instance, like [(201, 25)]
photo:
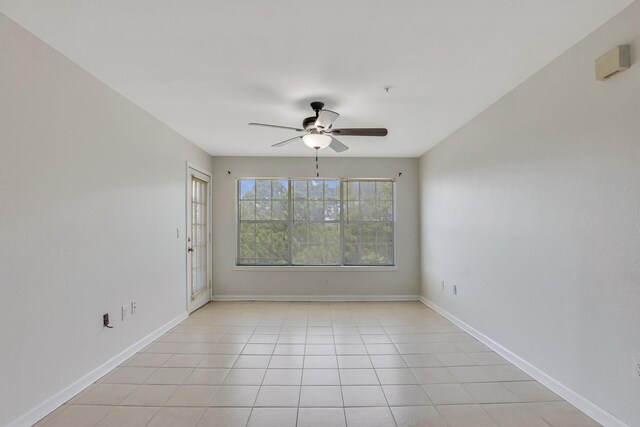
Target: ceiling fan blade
[(276, 126), (286, 141), (360, 132), (326, 118), (337, 146)]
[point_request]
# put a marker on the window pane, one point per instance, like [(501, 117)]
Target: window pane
[(300, 210), (300, 190), (316, 243), (280, 189), (279, 210), (263, 209), (316, 190), (332, 190), (247, 210), (332, 211), (247, 189), (263, 189)]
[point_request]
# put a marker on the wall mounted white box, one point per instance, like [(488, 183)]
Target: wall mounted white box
[(612, 62)]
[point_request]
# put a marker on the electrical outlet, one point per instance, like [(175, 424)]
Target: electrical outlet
[(636, 367), (134, 307), (105, 321), (455, 289), (125, 310)]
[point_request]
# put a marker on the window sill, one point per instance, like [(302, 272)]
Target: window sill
[(308, 268)]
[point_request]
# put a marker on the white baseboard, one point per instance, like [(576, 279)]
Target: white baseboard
[(49, 405), (586, 406), (316, 298)]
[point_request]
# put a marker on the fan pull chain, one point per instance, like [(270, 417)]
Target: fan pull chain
[(317, 171)]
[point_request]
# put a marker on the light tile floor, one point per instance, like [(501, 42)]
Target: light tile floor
[(316, 364)]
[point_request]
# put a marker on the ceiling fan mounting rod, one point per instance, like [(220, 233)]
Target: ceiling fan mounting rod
[(317, 106)]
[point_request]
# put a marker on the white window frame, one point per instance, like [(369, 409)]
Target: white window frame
[(342, 222)]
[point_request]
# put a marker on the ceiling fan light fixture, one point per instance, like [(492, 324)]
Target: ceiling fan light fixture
[(316, 140)]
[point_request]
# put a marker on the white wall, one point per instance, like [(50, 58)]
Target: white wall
[(533, 211), (229, 281), (91, 191)]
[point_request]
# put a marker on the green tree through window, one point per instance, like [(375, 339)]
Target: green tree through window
[(315, 222)]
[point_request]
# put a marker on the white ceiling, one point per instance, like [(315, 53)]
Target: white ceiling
[(208, 67)]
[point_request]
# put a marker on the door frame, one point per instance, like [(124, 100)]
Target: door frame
[(187, 205)]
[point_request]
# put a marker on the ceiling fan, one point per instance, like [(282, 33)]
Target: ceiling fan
[(319, 132)]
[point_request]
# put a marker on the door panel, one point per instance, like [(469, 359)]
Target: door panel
[(198, 239)]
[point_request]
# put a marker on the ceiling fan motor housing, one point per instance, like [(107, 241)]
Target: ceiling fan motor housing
[(309, 123)]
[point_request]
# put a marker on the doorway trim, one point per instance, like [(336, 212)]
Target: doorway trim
[(187, 205)]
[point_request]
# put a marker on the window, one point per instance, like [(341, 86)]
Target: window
[(315, 222)]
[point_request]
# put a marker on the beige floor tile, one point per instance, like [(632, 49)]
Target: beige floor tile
[(351, 349), (514, 415), (263, 339), (369, 417), (358, 377), (381, 349), (283, 377), (192, 395), (258, 349), (292, 339), (169, 376), (273, 417), (252, 361), (506, 373), (320, 377), (347, 339), (320, 339), (286, 362), (455, 359), (173, 417), (150, 395), (488, 358), (244, 377), (470, 374), (388, 361), (218, 361), (531, 391), (206, 376), (129, 375), (279, 396), (406, 395), (320, 396), (490, 393), (363, 396), (184, 361), (319, 349), (465, 416), (354, 362), (125, 416), (225, 417), (433, 375), (320, 362), (376, 339), (270, 362), (104, 394), (396, 376), (321, 417), (148, 360), (78, 416), (448, 394), (562, 414), (235, 396), (417, 416), (289, 349), (421, 361), (235, 338)]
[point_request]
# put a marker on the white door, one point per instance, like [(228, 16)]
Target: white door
[(198, 238)]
